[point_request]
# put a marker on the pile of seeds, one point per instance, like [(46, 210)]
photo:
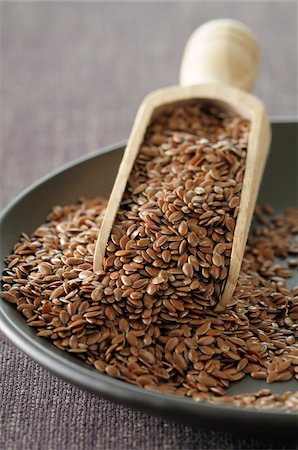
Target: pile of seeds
[(148, 318), (173, 234), (49, 278)]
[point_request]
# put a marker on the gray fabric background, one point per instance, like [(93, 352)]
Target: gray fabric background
[(72, 77)]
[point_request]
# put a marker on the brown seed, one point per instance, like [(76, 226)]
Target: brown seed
[(180, 208), (117, 294), (178, 304), (147, 356), (193, 260), (112, 371), (176, 216), (220, 248), (127, 292), (191, 343), (151, 289), (187, 270), (143, 242), (45, 333), (96, 294), (126, 280), (57, 292), (147, 340), (203, 329), (132, 339), (193, 356), (217, 260), (10, 298), (171, 344), (234, 202), (73, 261), (166, 256), (242, 364), (46, 308), (136, 295), (161, 241), (283, 365), (145, 380), (124, 325), (100, 365), (206, 340), (85, 274), (45, 268), (193, 239), (206, 380), (182, 229), (261, 375), (230, 223), (76, 323), (93, 338), (157, 280), (110, 313), (180, 362), (73, 341), (284, 376)]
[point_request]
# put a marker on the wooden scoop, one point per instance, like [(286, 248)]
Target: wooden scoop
[(220, 62)]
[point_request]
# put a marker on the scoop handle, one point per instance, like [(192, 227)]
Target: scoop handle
[(221, 51)]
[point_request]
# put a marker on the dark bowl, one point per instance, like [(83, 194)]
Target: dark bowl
[(94, 175)]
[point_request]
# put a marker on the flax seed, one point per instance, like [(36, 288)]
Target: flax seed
[(148, 318), (188, 270)]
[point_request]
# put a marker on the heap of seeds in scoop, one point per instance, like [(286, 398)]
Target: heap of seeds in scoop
[(170, 246), (148, 318)]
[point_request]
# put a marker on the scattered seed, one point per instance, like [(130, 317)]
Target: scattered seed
[(148, 318)]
